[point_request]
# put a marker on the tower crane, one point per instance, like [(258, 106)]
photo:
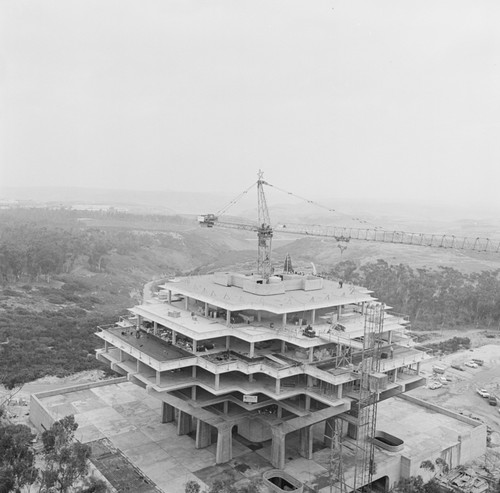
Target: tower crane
[(265, 231), (365, 411)]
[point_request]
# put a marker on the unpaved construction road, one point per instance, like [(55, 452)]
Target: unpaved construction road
[(460, 394)]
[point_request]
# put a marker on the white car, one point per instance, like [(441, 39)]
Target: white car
[(435, 385), (483, 393), (470, 364)]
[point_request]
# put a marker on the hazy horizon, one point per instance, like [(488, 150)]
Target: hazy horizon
[(387, 101)]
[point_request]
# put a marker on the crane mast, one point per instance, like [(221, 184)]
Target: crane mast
[(264, 231)]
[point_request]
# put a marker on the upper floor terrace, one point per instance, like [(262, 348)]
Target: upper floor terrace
[(280, 294), (344, 326)]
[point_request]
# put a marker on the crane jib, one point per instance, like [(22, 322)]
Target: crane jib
[(340, 234)]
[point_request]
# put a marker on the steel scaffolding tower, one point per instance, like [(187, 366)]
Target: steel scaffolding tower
[(369, 388)]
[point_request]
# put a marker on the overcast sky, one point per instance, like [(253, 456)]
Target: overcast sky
[(386, 98)]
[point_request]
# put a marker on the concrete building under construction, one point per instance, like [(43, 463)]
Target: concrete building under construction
[(290, 363), (295, 356)]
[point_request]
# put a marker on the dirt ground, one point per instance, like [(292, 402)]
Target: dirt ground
[(459, 394)]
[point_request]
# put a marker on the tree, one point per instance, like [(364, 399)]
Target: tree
[(253, 487), (413, 484), (428, 465), (192, 487), (17, 459), (223, 486), (93, 485), (66, 461)]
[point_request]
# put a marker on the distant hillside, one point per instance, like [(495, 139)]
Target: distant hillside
[(165, 202)]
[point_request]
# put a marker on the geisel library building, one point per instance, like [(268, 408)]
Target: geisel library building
[(230, 356)]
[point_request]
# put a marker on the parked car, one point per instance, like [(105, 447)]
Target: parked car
[(438, 369), (435, 385), (457, 367), (483, 393), (479, 362), (471, 364), (492, 400)]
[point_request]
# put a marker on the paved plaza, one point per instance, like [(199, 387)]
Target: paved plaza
[(130, 419)]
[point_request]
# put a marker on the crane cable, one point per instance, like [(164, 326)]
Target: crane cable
[(236, 199), (358, 219), (299, 197)]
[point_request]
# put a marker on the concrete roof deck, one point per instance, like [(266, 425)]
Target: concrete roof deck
[(130, 418), (232, 298), (435, 431)]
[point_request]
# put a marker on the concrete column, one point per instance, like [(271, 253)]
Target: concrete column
[(167, 413), (306, 442), (228, 342), (174, 337), (155, 328), (353, 429), (329, 431), (158, 378), (194, 345), (308, 403), (138, 321), (193, 392), (313, 316), (169, 296), (228, 317), (395, 375), (203, 434), (138, 366), (278, 385), (106, 346), (252, 349), (389, 339), (206, 309), (278, 448), (120, 356), (224, 451), (339, 312), (183, 423), (284, 320), (339, 391), (279, 414), (311, 354), (193, 371), (418, 368), (259, 316), (186, 302), (250, 377), (283, 347), (217, 381), (226, 407), (363, 307)]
